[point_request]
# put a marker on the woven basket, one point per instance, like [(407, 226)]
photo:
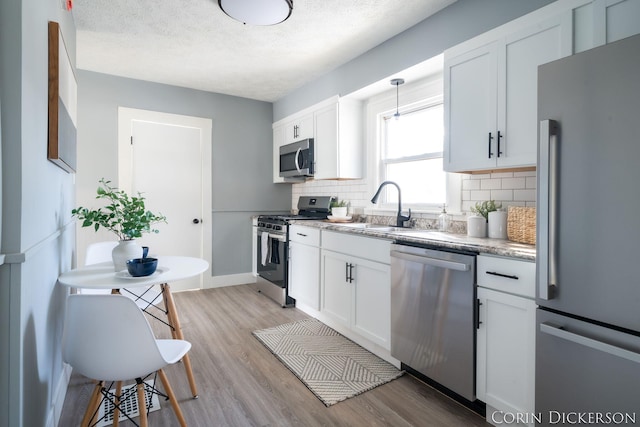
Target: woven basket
[(521, 224)]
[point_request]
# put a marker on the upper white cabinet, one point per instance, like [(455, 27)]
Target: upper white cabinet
[(336, 125), (615, 20), (491, 94), (298, 129), (339, 140)]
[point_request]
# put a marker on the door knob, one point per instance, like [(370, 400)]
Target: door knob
[(196, 221)]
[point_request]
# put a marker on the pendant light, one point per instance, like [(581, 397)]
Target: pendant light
[(257, 12), (396, 83)]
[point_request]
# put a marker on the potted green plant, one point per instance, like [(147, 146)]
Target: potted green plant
[(485, 207), (477, 223), (125, 216), (339, 208)]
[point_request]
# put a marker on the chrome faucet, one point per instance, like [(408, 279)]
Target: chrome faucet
[(400, 219)]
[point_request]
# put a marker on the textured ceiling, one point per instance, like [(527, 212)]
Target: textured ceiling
[(194, 44)]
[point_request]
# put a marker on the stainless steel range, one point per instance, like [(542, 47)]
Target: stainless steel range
[(273, 247)]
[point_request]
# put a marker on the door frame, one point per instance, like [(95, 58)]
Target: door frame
[(125, 165)]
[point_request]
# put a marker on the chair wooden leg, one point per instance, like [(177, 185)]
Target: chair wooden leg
[(172, 314), (116, 409), (94, 402), (172, 398), (142, 406)]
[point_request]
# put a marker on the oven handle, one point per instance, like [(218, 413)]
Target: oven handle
[(280, 237)]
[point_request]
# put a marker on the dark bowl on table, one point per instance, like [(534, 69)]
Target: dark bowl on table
[(140, 267)]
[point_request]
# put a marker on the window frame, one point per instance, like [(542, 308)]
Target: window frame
[(421, 94)]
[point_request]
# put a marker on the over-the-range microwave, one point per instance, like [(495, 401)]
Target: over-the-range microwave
[(296, 159)]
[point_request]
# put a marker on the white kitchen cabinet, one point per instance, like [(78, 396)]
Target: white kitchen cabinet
[(299, 128), (356, 290), (615, 20), (338, 140), (304, 265), (505, 361), (491, 94)]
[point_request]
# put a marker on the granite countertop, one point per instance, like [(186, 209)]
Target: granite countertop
[(433, 238)]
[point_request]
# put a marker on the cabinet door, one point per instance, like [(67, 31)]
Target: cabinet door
[(299, 128), (336, 289), (470, 81), (278, 141), (304, 274), (506, 351), (615, 20), (372, 306), (516, 144), (326, 142)]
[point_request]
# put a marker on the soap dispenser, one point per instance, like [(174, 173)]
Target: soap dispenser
[(444, 219)]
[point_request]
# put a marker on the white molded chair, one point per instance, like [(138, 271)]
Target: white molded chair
[(108, 338), (144, 297)]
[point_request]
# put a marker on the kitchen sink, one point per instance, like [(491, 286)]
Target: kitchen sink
[(372, 227)]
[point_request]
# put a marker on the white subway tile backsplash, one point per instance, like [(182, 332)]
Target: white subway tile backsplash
[(524, 195), (491, 184), (514, 183), (508, 188)]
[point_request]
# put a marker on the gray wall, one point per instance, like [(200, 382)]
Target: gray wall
[(37, 231), (241, 154), (461, 21)]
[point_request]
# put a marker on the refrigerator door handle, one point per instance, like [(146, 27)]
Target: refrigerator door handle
[(590, 342), (547, 217)]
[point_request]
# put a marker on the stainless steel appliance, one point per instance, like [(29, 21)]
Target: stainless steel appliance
[(296, 159), (588, 288), (273, 247), (433, 320)]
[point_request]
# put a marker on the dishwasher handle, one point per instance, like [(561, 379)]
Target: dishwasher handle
[(436, 262)]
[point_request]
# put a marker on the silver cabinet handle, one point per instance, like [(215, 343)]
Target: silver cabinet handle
[(590, 342), (547, 205), (451, 265)]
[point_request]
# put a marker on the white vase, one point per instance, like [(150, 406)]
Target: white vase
[(476, 226), (498, 225), (339, 212), (126, 250)]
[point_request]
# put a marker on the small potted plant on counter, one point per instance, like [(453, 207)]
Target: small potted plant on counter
[(125, 216), (339, 208), (477, 223)]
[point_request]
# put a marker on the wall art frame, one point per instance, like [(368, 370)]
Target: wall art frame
[(62, 103)]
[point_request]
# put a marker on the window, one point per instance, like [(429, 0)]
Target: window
[(411, 155)]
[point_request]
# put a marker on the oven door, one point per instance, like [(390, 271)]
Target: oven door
[(272, 257)]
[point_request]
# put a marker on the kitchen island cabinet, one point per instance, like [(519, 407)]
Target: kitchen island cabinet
[(505, 348)]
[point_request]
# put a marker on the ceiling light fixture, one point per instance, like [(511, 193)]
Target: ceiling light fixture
[(396, 83), (257, 12)]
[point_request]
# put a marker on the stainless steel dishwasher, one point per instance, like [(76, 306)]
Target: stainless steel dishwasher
[(433, 306)]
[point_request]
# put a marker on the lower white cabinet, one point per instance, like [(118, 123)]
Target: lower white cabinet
[(356, 291), (505, 370), (304, 265)]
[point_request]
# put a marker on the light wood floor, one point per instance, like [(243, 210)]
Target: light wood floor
[(242, 384)]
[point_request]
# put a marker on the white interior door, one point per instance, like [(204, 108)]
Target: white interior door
[(166, 162)]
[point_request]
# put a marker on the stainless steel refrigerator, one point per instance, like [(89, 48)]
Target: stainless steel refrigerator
[(588, 238)]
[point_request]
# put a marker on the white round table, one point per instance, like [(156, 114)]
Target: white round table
[(170, 269)]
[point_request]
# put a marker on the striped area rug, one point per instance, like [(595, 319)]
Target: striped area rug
[(333, 367)]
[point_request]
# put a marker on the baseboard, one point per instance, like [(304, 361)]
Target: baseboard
[(228, 280), (57, 401)]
